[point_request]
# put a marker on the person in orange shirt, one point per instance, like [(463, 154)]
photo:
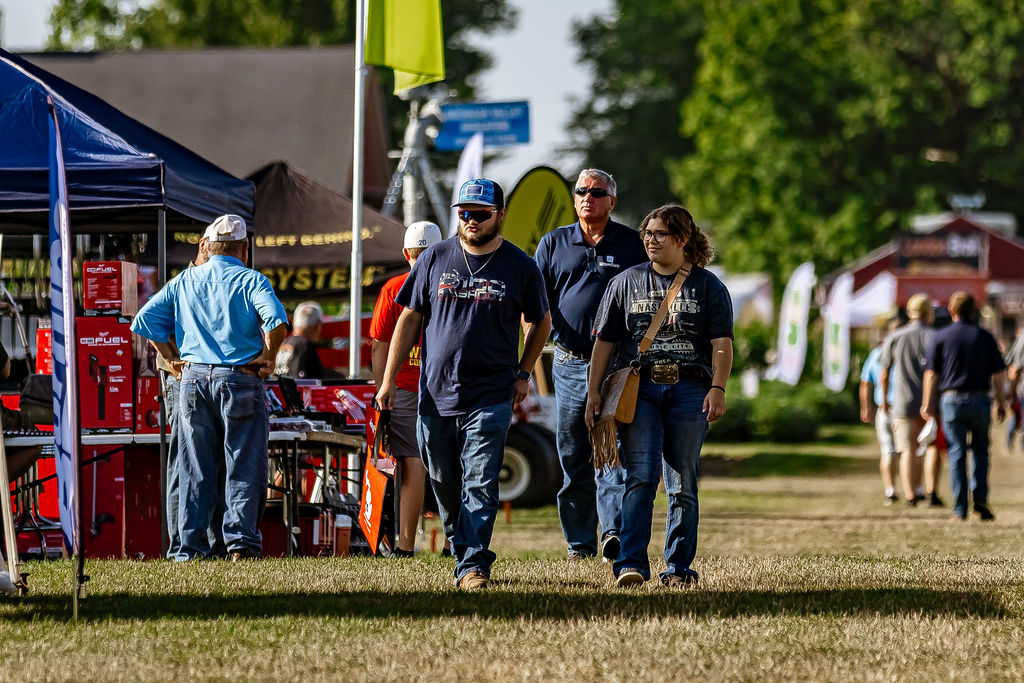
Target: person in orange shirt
[(418, 237)]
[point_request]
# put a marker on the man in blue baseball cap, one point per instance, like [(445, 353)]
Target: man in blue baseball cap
[(468, 294)]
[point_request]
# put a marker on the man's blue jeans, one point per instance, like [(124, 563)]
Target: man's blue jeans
[(223, 424), (463, 455), (585, 500), (966, 414), (666, 434), (171, 393), (171, 495)]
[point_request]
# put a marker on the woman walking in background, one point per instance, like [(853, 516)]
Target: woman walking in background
[(682, 385)]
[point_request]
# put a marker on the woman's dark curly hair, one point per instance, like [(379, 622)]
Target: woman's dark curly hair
[(680, 224)]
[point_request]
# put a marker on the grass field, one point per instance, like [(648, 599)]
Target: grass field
[(805, 575)]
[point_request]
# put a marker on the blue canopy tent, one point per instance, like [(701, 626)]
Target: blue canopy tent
[(121, 174), (122, 177)]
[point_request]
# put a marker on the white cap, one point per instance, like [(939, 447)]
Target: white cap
[(227, 228), (422, 234)]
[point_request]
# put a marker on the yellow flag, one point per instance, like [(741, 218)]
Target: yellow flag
[(406, 35)]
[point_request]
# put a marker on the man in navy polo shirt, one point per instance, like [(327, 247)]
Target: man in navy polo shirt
[(468, 294), (577, 261), (963, 364)]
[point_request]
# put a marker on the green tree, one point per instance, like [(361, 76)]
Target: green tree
[(820, 125), (642, 56)]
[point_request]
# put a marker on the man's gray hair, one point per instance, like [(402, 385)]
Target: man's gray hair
[(602, 176), (307, 314)]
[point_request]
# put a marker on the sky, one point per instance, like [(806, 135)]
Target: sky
[(536, 62)]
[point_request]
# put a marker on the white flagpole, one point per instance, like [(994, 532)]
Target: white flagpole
[(355, 315)]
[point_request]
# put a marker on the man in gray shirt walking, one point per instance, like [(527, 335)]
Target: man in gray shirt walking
[(903, 360)]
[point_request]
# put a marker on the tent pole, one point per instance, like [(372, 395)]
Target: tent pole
[(356, 271), (161, 260)]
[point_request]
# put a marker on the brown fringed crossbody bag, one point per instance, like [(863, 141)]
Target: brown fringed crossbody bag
[(619, 389)]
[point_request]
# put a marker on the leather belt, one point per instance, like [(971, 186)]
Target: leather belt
[(670, 373), (246, 369), (580, 356)]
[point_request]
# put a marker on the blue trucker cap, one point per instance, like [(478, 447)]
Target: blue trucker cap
[(481, 192)]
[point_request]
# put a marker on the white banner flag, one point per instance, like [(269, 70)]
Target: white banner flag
[(65, 374), (835, 363), (796, 305), (471, 165)]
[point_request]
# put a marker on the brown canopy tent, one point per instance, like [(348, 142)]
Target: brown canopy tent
[(305, 238)]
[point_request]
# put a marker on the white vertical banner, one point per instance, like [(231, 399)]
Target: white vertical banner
[(471, 165), (65, 374), (835, 362), (796, 306)]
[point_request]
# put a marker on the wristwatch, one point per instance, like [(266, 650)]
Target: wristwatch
[(523, 375)]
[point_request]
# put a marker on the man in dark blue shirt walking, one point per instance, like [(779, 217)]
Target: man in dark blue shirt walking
[(468, 294), (963, 364), (577, 262)]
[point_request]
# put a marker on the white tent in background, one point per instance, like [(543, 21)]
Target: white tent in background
[(873, 300)]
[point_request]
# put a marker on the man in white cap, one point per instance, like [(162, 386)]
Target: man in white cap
[(418, 238), (229, 325), (468, 295)]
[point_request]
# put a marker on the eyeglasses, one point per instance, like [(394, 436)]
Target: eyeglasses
[(595, 192), (658, 236), (479, 216)]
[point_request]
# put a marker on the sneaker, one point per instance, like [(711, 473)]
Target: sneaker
[(7, 586), (242, 555), (889, 500), (984, 512), (912, 502), (610, 548), (474, 581), (934, 501), (398, 552), (629, 578), (676, 581), (576, 556), (957, 517)]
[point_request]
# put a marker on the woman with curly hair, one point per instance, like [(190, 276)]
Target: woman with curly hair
[(682, 386)]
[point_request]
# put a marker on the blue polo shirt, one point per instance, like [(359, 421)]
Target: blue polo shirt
[(872, 372), (576, 276), (217, 312), (964, 357)]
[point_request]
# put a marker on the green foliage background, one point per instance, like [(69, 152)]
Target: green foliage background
[(807, 129)]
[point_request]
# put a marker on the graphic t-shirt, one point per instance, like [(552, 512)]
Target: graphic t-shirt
[(702, 311), (471, 308), (382, 328)]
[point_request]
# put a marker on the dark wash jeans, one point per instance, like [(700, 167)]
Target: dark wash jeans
[(967, 415), (587, 499), (463, 455), (666, 435)]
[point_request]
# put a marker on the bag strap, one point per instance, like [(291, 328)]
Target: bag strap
[(659, 317)]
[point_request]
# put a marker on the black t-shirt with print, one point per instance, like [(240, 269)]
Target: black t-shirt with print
[(702, 311)]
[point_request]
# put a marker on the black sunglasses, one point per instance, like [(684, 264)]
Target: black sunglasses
[(479, 216), (595, 192)]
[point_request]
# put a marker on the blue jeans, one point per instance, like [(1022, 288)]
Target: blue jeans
[(171, 495), (223, 425), (666, 435), (585, 500), (966, 414), (463, 455), (171, 393)]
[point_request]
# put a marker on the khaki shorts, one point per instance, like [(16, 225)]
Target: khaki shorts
[(904, 432)]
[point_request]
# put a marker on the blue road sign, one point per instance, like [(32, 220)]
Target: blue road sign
[(502, 123)]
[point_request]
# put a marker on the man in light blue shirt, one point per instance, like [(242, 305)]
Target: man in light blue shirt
[(870, 376), (228, 324)]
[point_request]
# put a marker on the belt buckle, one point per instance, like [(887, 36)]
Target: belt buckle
[(665, 374)]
